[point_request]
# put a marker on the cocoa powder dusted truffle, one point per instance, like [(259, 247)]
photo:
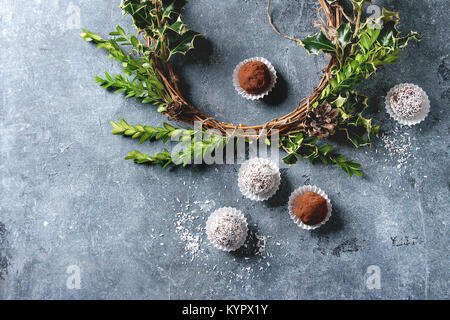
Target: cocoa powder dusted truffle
[(311, 208), (259, 179), (254, 77), (227, 229)]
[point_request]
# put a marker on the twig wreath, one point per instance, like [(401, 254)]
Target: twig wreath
[(356, 49)]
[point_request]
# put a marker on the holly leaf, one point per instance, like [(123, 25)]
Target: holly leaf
[(317, 43), (140, 11), (178, 26), (290, 159), (344, 35), (358, 4), (168, 8), (185, 44), (403, 41)]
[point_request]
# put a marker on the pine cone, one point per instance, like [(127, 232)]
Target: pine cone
[(321, 121)]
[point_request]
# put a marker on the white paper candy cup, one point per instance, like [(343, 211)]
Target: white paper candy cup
[(269, 193), (209, 230), (419, 117), (303, 190), (248, 96)]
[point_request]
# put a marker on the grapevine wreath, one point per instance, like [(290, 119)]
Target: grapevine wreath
[(356, 49)]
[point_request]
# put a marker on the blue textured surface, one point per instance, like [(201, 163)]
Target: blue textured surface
[(67, 197)]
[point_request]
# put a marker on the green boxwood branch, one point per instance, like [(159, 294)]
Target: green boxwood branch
[(196, 145), (303, 146)]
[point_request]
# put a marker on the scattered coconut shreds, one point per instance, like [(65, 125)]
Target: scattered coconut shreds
[(398, 145), (261, 244), (207, 206), (188, 233), (190, 220)]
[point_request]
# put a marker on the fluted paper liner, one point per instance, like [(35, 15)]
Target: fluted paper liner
[(249, 96), (219, 246), (418, 118), (268, 194), (300, 191)]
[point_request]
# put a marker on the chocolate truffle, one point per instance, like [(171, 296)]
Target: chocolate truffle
[(254, 77), (226, 228), (407, 101), (311, 208), (259, 179)]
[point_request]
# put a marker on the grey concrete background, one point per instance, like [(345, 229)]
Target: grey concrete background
[(68, 198)]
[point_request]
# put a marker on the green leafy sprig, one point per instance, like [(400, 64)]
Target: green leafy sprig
[(144, 133), (167, 35), (358, 48), (164, 158), (306, 147), (162, 24), (145, 83), (195, 144)]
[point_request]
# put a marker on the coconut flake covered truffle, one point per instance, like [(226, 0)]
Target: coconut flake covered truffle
[(259, 179), (226, 228), (407, 101)]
